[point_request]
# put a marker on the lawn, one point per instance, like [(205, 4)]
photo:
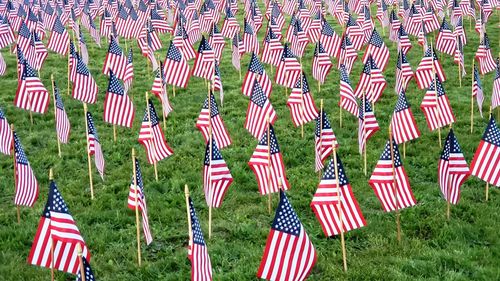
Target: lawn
[(463, 248)]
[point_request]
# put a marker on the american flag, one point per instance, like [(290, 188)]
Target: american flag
[(329, 201), (128, 77), (204, 63), (83, 48), (256, 72), (72, 61), (301, 103), (377, 50), (403, 125), (59, 38), (176, 69), (194, 32), (394, 25), (288, 252), (321, 65), (159, 89), (31, 93), (5, 135), (456, 11), (118, 107), (94, 146), (298, 39), (414, 21), (105, 24), (452, 169), (477, 90), (355, 33), (25, 181), (159, 23), (347, 54), (271, 48), (468, 8), (201, 268), (422, 35), (250, 38), (367, 124), (458, 57), (216, 41), (115, 60), (347, 98), (137, 200), (277, 15), (330, 40), (237, 50), (382, 14), (366, 23), (273, 25), (62, 121), (430, 19), (213, 119), (487, 157), (403, 73), (84, 86), (429, 65), (3, 65), (459, 32), (404, 42), (324, 139), (151, 136), (57, 230), (89, 274), (24, 38), (314, 30), (484, 56), (495, 97), (259, 108), (445, 40), (230, 26), (436, 106), (390, 181), (288, 70), (6, 33), (216, 175), (372, 80), (41, 52)]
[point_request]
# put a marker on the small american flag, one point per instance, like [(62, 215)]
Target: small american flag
[(5, 135), (452, 169), (445, 40), (404, 42), (382, 14), (84, 86), (118, 107), (329, 200), (204, 62), (403, 72), (151, 136), (367, 124), (201, 268), (62, 121), (272, 49), (213, 119), (391, 186), (137, 199), (301, 103), (230, 26), (424, 75), (3, 65), (159, 89), (288, 252), (330, 40), (484, 56), (495, 97), (94, 146), (216, 175), (216, 40), (459, 31), (355, 33), (321, 65), (414, 21), (7, 36), (259, 108), (477, 90), (115, 60), (324, 139), (347, 98), (372, 80), (57, 230), (377, 50), (89, 274), (31, 94), (487, 157), (40, 50), (128, 77), (26, 183), (347, 54), (159, 23), (288, 70), (394, 25), (430, 19), (256, 72), (59, 38), (314, 31), (176, 68), (83, 48), (250, 38), (298, 39), (403, 125), (366, 23), (23, 38), (436, 107), (237, 50)]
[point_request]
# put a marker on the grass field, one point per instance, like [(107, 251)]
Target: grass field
[(464, 248)]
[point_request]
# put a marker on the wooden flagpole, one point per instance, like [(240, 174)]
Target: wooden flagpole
[(69, 70), (487, 183), (437, 96), (80, 259), (340, 208), (55, 113), (165, 95), (472, 99), (151, 136), (448, 188), (210, 192), (459, 75), (114, 133), (18, 209), (137, 223), (302, 117), (395, 188), (320, 135), (190, 230), (88, 153), (364, 131), (269, 163), (51, 177)]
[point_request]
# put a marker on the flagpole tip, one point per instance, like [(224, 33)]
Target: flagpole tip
[(186, 190), (51, 174), (133, 152), (79, 249)]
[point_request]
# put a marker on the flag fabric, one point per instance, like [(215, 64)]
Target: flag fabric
[(372, 81), (259, 108), (41, 52), (321, 65), (6, 137), (329, 202), (289, 254), (159, 90), (118, 107), (271, 48), (249, 38), (83, 48), (89, 274), (324, 140), (204, 62), (484, 56), (237, 49), (301, 103), (216, 41), (256, 72), (216, 175), (31, 94), (436, 106), (211, 118), (330, 40), (485, 164), (7, 36), (404, 42), (137, 200), (176, 69), (84, 86), (477, 90), (347, 98), (181, 41), (128, 77), (394, 26), (458, 57), (495, 97), (459, 32), (115, 60), (424, 75), (201, 268), (452, 169), (347, 54), (57, 230), (377, 50), (59, 38), (26, 185), (62, 121), (151, 136), (94, 145), (445, 40), (390, 181), (288, 70), (404, 72), (230, 26), (403, 125), (367, 124), (355, 33), (298, 39)]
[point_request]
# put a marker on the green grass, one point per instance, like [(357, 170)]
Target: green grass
[(466, 247)]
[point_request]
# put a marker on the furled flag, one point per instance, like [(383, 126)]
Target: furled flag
[(201, 268), (237, 49), (176, 69), (271, 48), (204, 62), (256, 72), (495, 97), (62, 121), (330, 201), (330, 40), (394, 25), (57, 236), (7, 36), (445, 40), (321, 65), (128, 77), (403, 73), (404, 42), (259, 108), (94, 145), (377, 50), (301, 103), (414, 21), (459, 32), (211, 118), (452, 169), (216, 41), (347, 98), (115, 60), (486, 161), (347, 54), (484, 56), (403, 125), (26, 185), (390, 181), (84, 86), (298, 39), (372, 81), (137, 200), (477, 90), (429, 65), (84, 53), (151, 136), (436, 106), (89, 274), (31, 93), (118, 107), (324, 140), (5, 135), (267, 164), (59, 38), (288, 252), (216, 175), (288, 70), (367, 124), (159, 89)]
